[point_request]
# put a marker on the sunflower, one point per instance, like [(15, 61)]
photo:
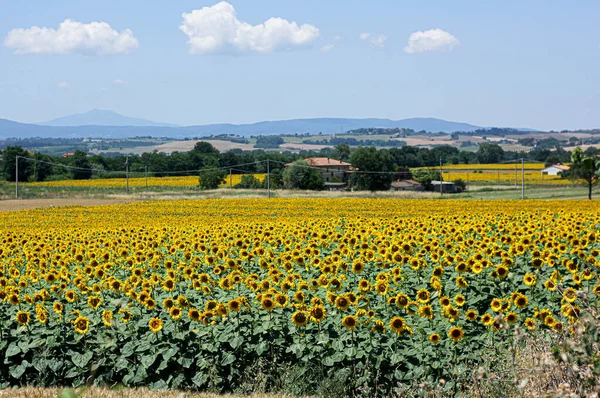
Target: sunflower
[(81, 324), (459, 300), (379, 326), (364, 286), (511, 317), (126, 315), (501, 271), (550, 285), (194, 314), (521, 301), (175, 313), (402, 300), (358, 267), (471, 315), (267, 304), (23, 317), (58, 307), (423, 296), (570, 295), (300, 318), (107, 318), (155, 325), (342, 303), (426, 312), (234, 305), (462, 282), (398, 324), (529, 279), (94, 302), (13, 299), (530, 324), (183, 302), (496, 305), (456, 334), (168, 285), (350, 322), (487, 319), (317, 313), (434, 338), (281, 300)]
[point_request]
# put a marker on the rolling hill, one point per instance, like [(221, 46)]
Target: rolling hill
[(103, 127)]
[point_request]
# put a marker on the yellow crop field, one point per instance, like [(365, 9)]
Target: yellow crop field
[(504, 177), (186, 181), (200, 294), (495, 166)]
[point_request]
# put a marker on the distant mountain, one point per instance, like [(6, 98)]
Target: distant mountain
[(9, 129), (100, 117)]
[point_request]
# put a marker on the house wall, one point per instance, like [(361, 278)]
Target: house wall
[(334, 173)]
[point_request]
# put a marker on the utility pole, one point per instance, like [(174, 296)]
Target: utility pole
[(17, 177), (230, 181), (522, 178), (515, 175), (268, 179), (127, 175), (441, 178), (146, 179)]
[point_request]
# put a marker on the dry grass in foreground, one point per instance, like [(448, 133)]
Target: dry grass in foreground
[(95, 392)]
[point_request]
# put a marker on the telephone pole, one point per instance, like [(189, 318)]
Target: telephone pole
[(146, 179), (522, 178), (268, 179), (127, 175), (17, 177)]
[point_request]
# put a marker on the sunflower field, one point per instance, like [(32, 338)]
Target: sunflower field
[(371, 293)]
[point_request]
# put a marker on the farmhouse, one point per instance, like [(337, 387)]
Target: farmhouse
[(555, 170), (334, 172)]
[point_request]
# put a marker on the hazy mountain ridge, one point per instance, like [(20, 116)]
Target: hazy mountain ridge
[(9, 128), (101, 117)]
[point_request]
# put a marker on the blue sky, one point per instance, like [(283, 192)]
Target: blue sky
[(493, 63)]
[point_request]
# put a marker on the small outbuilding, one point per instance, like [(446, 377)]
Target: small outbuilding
[(444, 186), (555, 170), (406, 185)]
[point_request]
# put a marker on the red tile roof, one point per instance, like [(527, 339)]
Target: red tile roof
[(325, 162)]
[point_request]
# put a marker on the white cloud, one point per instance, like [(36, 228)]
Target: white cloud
[(119, 82), (72, 37), (430, 40), (63, 84), (329, 47), (374, 40), (217, 29)]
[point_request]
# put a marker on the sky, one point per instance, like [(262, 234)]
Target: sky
[(513, 63)]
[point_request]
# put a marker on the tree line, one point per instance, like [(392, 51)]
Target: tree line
[(204, 157)]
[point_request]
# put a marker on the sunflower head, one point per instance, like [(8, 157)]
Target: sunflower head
[(155, 325), (350, 322), (456, 334), (23, 318), (300, 318), (434, 338)]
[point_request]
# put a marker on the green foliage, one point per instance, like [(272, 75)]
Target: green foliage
[(80, 162), (489, 153), (269, 141), (586, 168), (370, 159), (461, 185), (211, 178), (425, 177), (249, 182), (300, 176), (42, 169), (9, 156)]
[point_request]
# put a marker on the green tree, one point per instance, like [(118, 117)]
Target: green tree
[(586, 168), (249, 182), (375, 169), (211, 178), (425, 177), (81, 164), (300, 176), (42, 169), (489, 153), (9, 156), (341, 152)]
